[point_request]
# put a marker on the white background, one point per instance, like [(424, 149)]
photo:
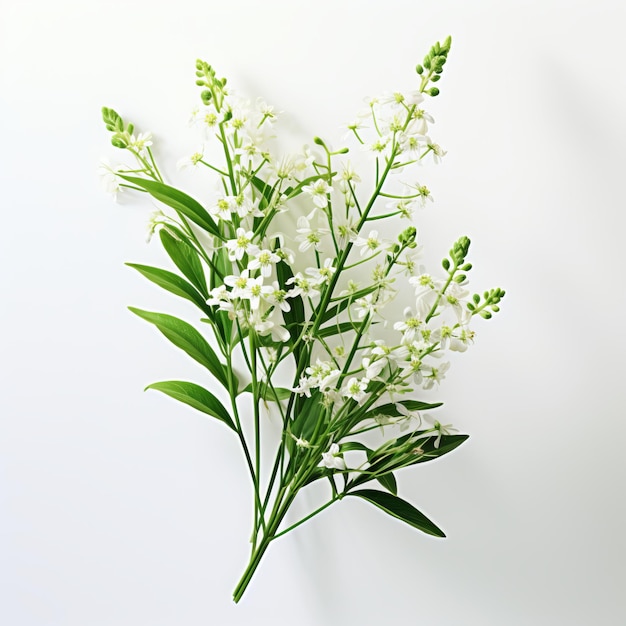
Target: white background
[(123, 508)]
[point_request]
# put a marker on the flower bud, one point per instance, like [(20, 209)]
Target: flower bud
[(419, 69), (119, 142), (433, 91)]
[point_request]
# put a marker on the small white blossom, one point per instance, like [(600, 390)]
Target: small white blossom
[(318, 191), (308, 236), (355, 389), (241, 245), (322, 275), (192, 160), (434, 374), (109, 177), (370, 244), (265, 261), (333, 459), (140, 143)]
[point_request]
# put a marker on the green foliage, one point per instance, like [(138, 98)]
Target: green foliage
[(188, 339), (195, 396), (344, 382), (400, 509)]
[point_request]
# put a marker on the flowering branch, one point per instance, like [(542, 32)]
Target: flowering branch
[(313, 312)]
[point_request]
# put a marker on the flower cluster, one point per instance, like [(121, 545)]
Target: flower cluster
[(312, 298)]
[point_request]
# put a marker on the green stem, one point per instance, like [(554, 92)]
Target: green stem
[(309, 516)]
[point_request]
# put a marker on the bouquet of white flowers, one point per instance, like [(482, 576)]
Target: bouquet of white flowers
[(317, 316)]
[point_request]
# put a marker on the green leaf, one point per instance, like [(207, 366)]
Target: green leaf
[(310, 412), (335, 310), (187, 338), (266, 192), (388, 481), (447, 443), (172, 283), (413, 450), (185, 258), (266, 392), (390, 410), (294, 318), (195, 396), (178, 200), (399, 508), (337, 329)]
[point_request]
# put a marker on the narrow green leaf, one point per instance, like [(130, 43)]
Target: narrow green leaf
[(446, 444), (172, 283), (186, 260), (399, 508), (178, 200), (294, 318), (275, 394), (390, 410), (388, 481), (187, 338), (335, 310), (266, 191), (337, 329), (195, 396)]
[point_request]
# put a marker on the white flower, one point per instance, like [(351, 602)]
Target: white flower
[(239, 284), (319, 191), (333, 459), (308, 236), (224, 207), (109, 177), (157, 219), (305, 386), (285, 167), (303, 286), (413, 368), (366, 306), (437, 151), (264, 327), (355, 390), (192, 160), (264, 260), (412, 323), (440, 429), (371, 244), (322, 275), (241, 245), (278, 297), (434, 374), (255, 291), (407, 416), (423, 119), (373, 367), (141, 142)]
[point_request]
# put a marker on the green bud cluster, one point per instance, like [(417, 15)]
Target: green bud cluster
[(459, 251), (115, 124), (407, 237), (215, 87), (433, 64), (491, 299)]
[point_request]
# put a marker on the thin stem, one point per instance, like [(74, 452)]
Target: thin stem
[(309, 516)]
